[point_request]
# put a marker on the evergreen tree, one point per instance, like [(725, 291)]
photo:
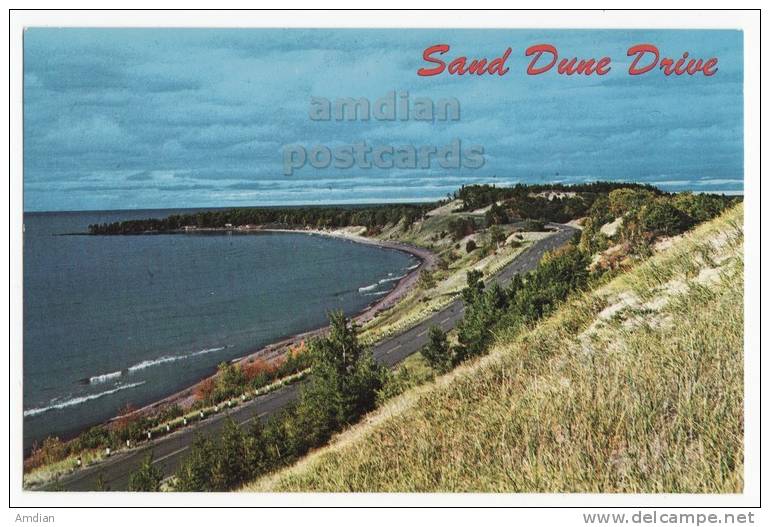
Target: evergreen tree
[(195, 473), (437, 352), (229, 464), (343, 382), (147, 478), (257, 455)]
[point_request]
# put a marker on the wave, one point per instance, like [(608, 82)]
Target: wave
[(377, 293), (104, 377), (413, 267), (394, 279), (368, 288), (154, 362), (207, 350), (99, 379), (171, 358), (80, 400)]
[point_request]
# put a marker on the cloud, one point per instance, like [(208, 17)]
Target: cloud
[(200, 117)]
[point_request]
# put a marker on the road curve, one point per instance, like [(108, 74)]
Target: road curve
[(169, 451)]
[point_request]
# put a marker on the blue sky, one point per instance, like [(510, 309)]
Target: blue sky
[(162, 118)]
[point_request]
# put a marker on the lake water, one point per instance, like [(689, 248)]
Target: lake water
[(140, 317)]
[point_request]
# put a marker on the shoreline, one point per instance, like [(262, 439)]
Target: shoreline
[(185, 397)]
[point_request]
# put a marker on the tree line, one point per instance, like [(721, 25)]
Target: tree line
[(372, 217), (646, 216)]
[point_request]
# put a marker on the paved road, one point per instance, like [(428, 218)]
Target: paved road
[(169, 451)]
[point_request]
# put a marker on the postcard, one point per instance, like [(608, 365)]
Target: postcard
[(287, 260)]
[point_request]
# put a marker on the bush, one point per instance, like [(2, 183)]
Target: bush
[(204, 391), (470, 246), (405, 378), (461, 227), (663, 218), (533, 226), (94, 437), (426, 280), (50, 451), (230, 382)]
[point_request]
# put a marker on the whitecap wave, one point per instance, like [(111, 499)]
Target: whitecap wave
[(413, 267), (368, 288), (207, 350), (171, 358), (79, 400), (377, 293), (154, 362), (394, 279), (99, 379)]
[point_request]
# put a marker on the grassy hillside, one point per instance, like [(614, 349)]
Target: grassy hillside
[(636, 386)]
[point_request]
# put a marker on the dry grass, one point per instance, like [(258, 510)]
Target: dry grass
[(647, 397)]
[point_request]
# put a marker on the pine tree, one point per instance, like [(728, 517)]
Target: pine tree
[(343, 384), (229, 466), (147, 478), (194, 475), (437, 352)]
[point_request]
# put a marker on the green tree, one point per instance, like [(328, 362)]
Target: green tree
[(147, 478), (496, 215), (661, 217), (628, 200), (474, 333), (343, 384), (474, 286), (496, 235), (438, 352), (194, 475), (229, 464), (257, 455)]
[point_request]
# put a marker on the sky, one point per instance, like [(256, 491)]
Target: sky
[(171, 118)]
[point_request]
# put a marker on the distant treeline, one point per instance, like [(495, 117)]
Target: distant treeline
[(372, 217), (556, 202), (521, 201)]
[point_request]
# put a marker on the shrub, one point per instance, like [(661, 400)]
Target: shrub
[(230, 382), (533, 226), (50, 451), (426, 281), (205, 390), (169, 412), (94, 437), (405, 378), (258, 368), (470, 246), (461, 227)]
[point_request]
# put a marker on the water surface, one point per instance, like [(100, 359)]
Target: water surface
[(111, 320)]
